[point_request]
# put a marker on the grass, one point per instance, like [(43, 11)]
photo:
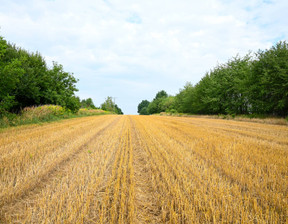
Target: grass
[(45, 113)]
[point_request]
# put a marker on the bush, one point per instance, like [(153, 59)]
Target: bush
[(173, 111), (88, 112), (42, 112)]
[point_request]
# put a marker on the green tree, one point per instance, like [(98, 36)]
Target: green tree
[(185, 99), (144, 111), (155, 106), (62, 91), (87, 103), (161, 94), (268, 83), (118, 110), (3, 46), (11, 72), (109, 105), (26, 81), (168, 103), (222, 90), (143, 104)]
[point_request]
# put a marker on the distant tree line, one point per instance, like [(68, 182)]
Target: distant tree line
[(26, 80), (247, 85), (88, 103), (109, 105)]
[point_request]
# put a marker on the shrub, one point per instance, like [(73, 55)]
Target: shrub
[(42, 112)]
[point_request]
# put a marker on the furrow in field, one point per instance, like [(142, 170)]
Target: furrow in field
[(173, 204), (268, 133), (23, 152), (118, 200), (156, 132), (144, 169), (74, 188), (43, 169), (256, 166), (22, 134), (147, 206)]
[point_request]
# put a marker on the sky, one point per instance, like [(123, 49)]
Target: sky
[(131, 49)]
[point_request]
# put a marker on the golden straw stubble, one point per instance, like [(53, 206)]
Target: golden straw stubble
[(144, 169)]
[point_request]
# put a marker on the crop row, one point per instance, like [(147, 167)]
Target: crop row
[(144, 169)]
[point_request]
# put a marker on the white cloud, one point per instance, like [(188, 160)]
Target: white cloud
[(132, 49)]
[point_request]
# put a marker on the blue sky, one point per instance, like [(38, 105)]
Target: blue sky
[(131, 49)]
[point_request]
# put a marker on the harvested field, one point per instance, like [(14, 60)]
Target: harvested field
[(144, 169)]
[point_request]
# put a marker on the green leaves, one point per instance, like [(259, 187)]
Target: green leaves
[(87, 103), (143, 107), (109, 105), (25, 80), (3, 46), (240, 86), (160, 103), (269, 81)]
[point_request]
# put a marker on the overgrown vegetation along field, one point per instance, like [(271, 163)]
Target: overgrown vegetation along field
[(144, 169)]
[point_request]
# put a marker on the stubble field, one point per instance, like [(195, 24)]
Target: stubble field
[(144, 169)]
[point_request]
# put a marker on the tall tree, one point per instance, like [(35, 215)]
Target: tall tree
[(268, 84), (155, 106), (87, 103), (161, 94), (27, 81), (143, 104), (109, 105), (11, 72)]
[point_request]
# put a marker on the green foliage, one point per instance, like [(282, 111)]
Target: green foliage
[(88, 103), (63, 88), (27, 81), (144, 111), (11, 72), (118, 110), (143, 104), (156, 105), (109, 105), (6, 103), (31, 115), (223, 89), (167, 103), (153, 107), (241, 86), (3, 46), (161, 94), (45, 113), (72, 103), (185, 99), (268, 92)]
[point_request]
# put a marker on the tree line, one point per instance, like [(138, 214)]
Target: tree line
[(26, 80), (107, 105), (253, 84)]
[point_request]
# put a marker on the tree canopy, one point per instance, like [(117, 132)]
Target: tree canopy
[(27, 81), (243, 85), (142, 107), (87, 103), (160, 102), (109, 105)]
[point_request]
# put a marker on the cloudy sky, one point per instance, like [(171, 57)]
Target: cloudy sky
[(131, 49)]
